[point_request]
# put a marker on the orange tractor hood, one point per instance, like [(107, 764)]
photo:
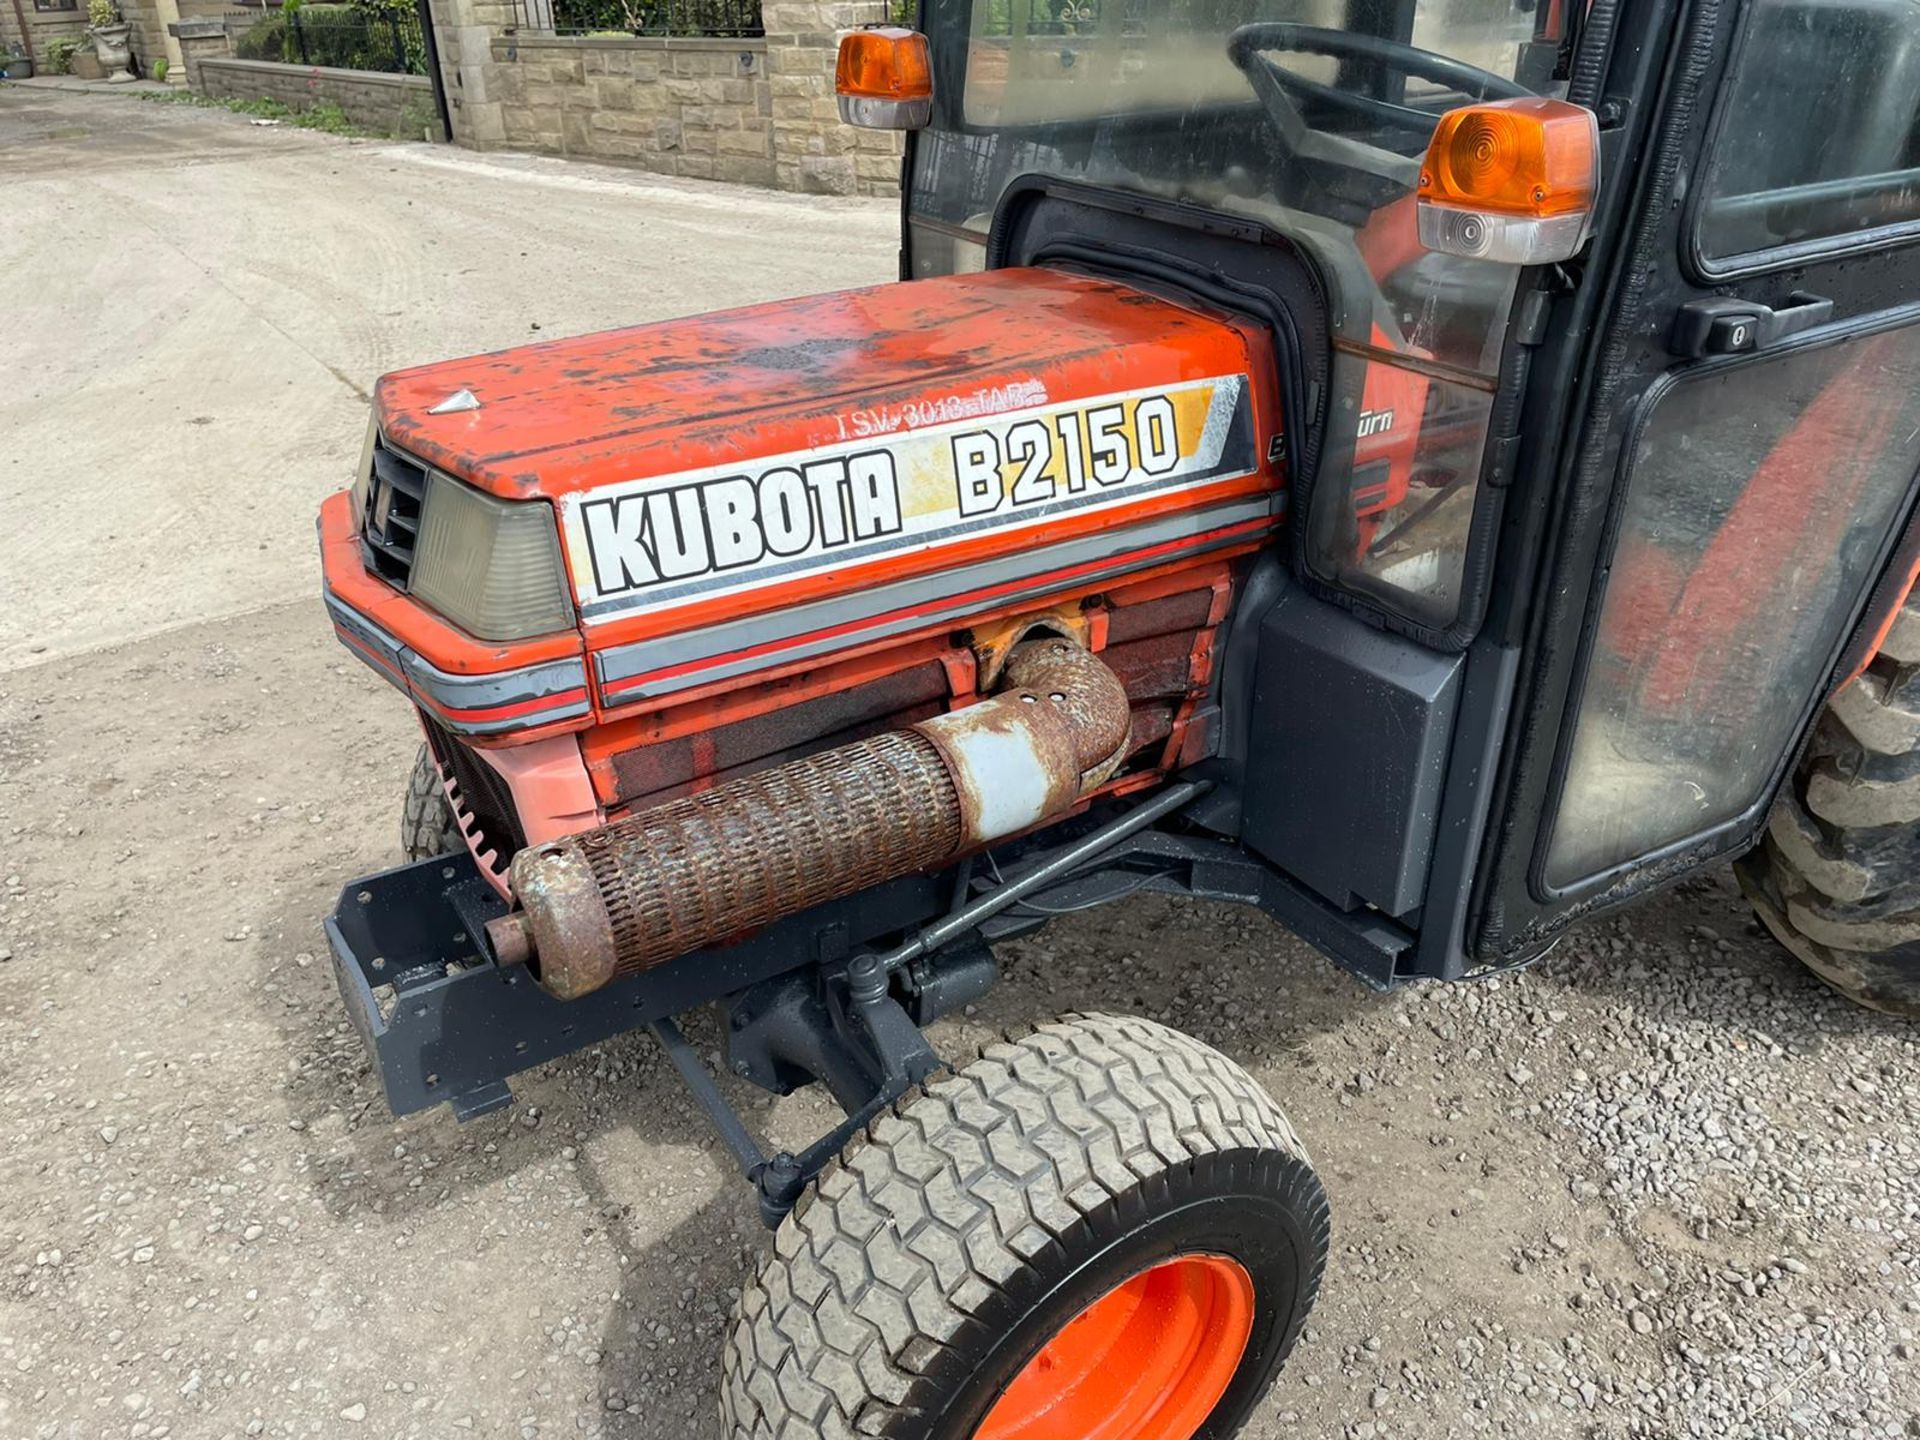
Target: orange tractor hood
[(745, 489), (795, 375)]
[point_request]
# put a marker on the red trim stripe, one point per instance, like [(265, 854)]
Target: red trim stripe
[(559, 698), (369, 654), (1056, 580)]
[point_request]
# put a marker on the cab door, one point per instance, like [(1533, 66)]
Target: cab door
[(1732, 486)]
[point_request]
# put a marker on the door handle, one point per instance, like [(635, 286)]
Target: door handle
[(1724, 325)]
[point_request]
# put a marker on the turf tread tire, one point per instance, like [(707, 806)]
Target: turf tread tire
[(882, 1266), (427, 826), (1837, 876)]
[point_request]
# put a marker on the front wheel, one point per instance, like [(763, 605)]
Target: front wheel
[(427, 826), (1103, 1228)]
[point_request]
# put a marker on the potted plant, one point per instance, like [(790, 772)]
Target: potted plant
[(111, 37), (15, 66)]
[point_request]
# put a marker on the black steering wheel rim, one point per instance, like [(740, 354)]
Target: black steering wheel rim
[(1246, 43)]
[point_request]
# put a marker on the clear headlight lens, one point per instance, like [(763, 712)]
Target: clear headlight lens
[(491, 566)]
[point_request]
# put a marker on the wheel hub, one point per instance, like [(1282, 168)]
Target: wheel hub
[(1149, 1360)]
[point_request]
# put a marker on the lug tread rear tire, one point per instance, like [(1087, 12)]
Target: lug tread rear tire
[(1876, 717), (1902, 645), (1837, 877), (1861, 802), (1878, 979), (427, 826), (960, 1186)]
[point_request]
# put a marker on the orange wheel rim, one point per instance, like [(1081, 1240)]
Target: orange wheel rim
[(1148, 1360)]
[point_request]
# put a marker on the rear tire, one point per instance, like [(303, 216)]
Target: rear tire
[(427, 826), (1837, 878), (965, 1232)]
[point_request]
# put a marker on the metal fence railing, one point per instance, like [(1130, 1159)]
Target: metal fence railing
[(345, 37), (729, 18)]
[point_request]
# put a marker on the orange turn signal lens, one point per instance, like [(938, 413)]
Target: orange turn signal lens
[(885, 63), (1510, 180)]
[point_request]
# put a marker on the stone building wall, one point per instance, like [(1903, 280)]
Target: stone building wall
[(42, 26), (755, 111), (151, 21), (692, 107), (148, 18)]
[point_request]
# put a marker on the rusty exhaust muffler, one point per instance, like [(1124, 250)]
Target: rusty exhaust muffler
[(654, 886)]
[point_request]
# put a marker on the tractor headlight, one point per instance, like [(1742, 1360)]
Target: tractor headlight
[(491, 566)]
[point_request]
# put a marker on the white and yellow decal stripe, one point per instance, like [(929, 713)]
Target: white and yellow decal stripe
[(647, 545)]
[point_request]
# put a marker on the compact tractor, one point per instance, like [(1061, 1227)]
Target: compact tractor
[(1432, 470)]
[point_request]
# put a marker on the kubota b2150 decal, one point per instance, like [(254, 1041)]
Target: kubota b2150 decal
[(677, 538)]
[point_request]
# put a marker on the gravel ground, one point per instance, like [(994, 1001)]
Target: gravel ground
[(1662, 1185)]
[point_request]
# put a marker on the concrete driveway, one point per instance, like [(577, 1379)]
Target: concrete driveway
[(197, 306), (1662, 1185)]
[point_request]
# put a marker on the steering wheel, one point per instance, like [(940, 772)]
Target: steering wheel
[(1246, 45), (1352, 177)]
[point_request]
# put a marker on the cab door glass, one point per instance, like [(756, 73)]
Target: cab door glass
[(1759, 497), (1823, 131)]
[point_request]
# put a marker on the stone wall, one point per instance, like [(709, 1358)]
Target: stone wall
[(691, 107), (42, 26), (152, 22), (393, 104), (815, 150), (756, 111), (149, 19)]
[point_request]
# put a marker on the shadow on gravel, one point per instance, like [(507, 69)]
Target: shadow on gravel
[(662, 1340), (658, 1357), (1224, 974), (1698, 954), (1227, 976), (365, 1160)]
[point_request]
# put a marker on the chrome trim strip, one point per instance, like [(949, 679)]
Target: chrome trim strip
[(922, 595), (346, 618), (507, 687), (445, 693)]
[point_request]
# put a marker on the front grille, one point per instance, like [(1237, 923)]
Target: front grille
[(396, 491), (481, 797)]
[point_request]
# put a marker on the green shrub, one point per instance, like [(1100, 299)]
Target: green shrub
[(263, 40), (60, 51), (345, 37)]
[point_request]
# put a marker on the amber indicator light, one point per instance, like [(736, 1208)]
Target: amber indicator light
[(1532, 157), (887, 63)]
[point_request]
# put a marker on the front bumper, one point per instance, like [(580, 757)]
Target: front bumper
[(443, 1022), (440, 1021)]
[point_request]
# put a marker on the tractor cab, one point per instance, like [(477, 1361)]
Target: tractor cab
[(1607, 429), (1429, 470)]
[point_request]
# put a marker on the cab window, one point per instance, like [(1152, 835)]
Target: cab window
[(1794, 181)]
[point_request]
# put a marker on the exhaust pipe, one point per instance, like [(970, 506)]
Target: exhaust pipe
[(699, 870)]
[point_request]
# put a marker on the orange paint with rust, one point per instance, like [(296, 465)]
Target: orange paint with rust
[(565, 422), (567, 415)]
